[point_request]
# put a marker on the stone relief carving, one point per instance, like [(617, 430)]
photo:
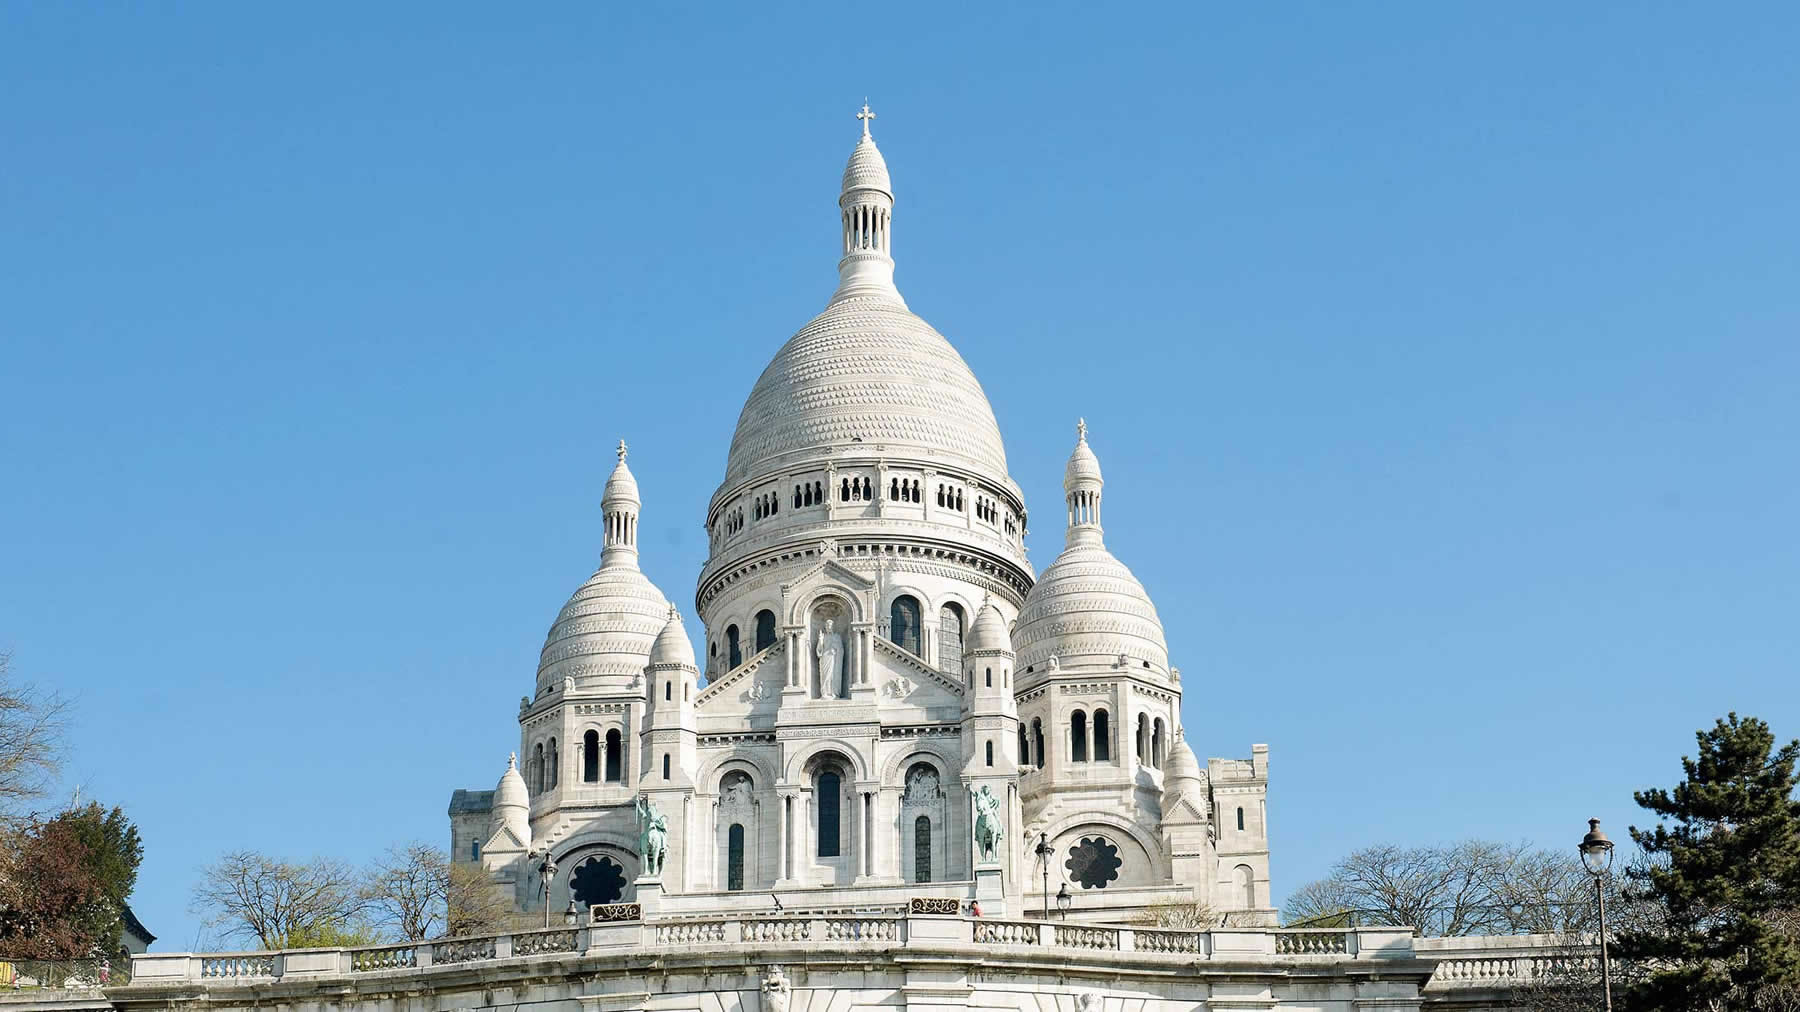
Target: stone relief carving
[(760, 691), (899, 688), (921, 787), (775, 989)]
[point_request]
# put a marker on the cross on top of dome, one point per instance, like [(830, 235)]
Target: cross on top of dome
[(866, 116), (622, 449), (1080, 429)]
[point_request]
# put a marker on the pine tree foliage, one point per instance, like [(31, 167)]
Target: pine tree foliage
[(1723, 875)]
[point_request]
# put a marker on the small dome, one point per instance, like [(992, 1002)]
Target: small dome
[(1083, 466), (606, 629), (621, 488), (1088, 608), (1182, 767), (989, 632), (867, 170), (510, 791), (672, 645)]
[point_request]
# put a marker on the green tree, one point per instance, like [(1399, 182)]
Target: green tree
[(1723, 876), (113, 853), (63, 884)]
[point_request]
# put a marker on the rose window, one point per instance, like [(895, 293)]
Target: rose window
[(1093, 862)]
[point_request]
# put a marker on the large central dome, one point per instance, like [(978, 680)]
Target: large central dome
[(866, 370)]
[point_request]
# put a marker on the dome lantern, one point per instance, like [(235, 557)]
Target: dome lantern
[(1081, 489), (866, 212), (620, 505)]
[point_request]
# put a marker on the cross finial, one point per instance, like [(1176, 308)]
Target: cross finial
[(866, 116), (1081, 429), (622, 449), (512, 760)]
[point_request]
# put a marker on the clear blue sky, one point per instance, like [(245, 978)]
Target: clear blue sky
[(1442, 359)]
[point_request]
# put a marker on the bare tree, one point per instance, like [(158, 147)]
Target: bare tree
[(408, 890), (247, 895), (1191, 916), (476, 907), (1469, 888), (31, 724)]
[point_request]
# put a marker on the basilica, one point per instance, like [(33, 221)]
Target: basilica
[(888, 702)]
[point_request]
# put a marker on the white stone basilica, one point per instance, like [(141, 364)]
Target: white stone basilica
[(879, 663)]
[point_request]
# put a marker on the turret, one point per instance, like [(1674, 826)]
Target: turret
[(509, 828), (670, 681), (867, 208), (620, 505), (990, 719)]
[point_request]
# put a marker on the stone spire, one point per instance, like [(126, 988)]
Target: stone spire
[(1081, 489), (866, 208), (620, 504)]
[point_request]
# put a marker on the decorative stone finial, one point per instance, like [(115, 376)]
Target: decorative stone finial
[(622, 449), (512, 760), (1080, 432), (866, 116)]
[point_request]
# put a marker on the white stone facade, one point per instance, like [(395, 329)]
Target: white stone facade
[(876, 650)]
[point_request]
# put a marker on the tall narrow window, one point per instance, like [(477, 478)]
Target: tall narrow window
[(665, 765), (826, 799), (668, 690), (613, 754), (1156, 744), (1102, 733), (904, 622), (990, 679), (765, 630), (590, 757), (922, 849), (990, 753), (1078, 737), (553, 761), (734, 650), (950, 636), (537, 768), (734, 858), (1037, 743), (1240, 820), (1143, 739), (1024, 747)]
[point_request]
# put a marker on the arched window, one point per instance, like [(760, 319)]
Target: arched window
[(940, 495), (590, 757), (668, 690), (904, 622), (734, 858), (1024, 747), (990, 679), (1156, 744), (774, 504), (1245, 879), (734, 651), (1143, 739), (922, 849), (1240, 820), (844, 490), (893, 488), (552, 760), (990, 753), (665, 765), (796, 497), (765, 630), (818, 493), (537, 768), (1037, 742), (614, 752), (1078, 737), (825, 791), (1102, 740)]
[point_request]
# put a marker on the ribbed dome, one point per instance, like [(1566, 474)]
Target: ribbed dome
[(672, 645), (989, 632), (1088, 608), (621, 488), (606, 629), (1083, 466), (867, 370), (867, 170)]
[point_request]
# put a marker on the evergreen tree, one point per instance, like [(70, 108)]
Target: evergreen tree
[(1723, 876)]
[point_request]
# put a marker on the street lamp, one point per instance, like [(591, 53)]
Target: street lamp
[(546, 871), (1064, 901), (1597, 857), (1044, 852), (573, 914)]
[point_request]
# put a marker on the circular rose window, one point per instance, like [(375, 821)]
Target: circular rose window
[(1093, 862), (598, 880)]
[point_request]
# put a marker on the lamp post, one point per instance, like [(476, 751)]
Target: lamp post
[(1044, 852), (1597, 857), (573, 914), (1064, 901), (546, 871)]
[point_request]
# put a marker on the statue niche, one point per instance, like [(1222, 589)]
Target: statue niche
[(829, 636)]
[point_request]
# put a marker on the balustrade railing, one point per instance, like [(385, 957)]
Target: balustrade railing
[(1310, 942), (862, 929), (1183, 942), (391, 957), (690, 932), (231, 967), (1006, 932), (462, 950), (779, 930), (1077, 936), (538, 943)]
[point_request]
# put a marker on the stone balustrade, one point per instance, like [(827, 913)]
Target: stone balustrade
[(898, 929), (1504, 961)]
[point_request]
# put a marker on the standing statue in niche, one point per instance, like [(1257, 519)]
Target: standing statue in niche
[(830, 651), (653, 836), (989, 829)]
